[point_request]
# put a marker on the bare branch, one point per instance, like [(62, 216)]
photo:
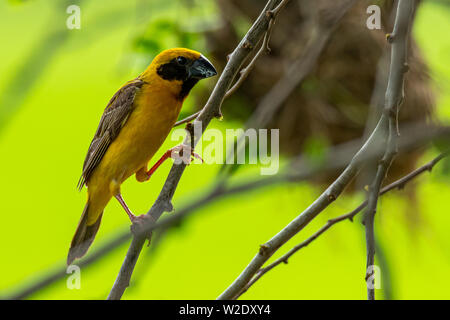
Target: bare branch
[(398, 184), (296, 225), (394, 98), (336, 188)]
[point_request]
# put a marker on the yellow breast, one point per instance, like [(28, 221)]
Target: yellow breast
[(155, 111)]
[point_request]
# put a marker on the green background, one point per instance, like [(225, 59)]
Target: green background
[(54, 85)]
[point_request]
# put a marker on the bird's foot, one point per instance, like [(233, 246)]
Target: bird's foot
[(181, 153), (184, 153)]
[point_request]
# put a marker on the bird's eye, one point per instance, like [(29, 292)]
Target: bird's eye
[(181, 60)]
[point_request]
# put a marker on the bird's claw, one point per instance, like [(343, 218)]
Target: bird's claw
[(186, 159), (196, 155), (140, 224), (174, 153)]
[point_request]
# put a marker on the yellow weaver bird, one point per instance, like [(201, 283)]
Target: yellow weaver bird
[(133, 127)]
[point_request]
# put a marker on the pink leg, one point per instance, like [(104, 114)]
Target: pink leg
[(164, 157), (137, 221), (124, 205)]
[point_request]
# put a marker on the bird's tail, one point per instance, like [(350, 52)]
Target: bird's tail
[(84, 236)]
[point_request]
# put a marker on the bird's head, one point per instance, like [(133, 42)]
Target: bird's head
[(180, 69)]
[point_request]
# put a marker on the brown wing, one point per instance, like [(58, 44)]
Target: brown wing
[(114, 117)]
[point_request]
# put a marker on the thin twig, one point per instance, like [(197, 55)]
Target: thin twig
[(264, 48), (187, 119)]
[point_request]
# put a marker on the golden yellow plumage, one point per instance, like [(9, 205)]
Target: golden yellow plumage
[(133, 127)]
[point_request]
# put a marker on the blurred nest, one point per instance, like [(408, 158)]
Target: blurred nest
[(337, 99)]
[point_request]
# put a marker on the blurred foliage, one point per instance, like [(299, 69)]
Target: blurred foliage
[(44, 144), (315, 150)]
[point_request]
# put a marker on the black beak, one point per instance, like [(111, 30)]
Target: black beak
[(201, 68)]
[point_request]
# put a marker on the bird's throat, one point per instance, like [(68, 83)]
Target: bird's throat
[(186, 88)]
